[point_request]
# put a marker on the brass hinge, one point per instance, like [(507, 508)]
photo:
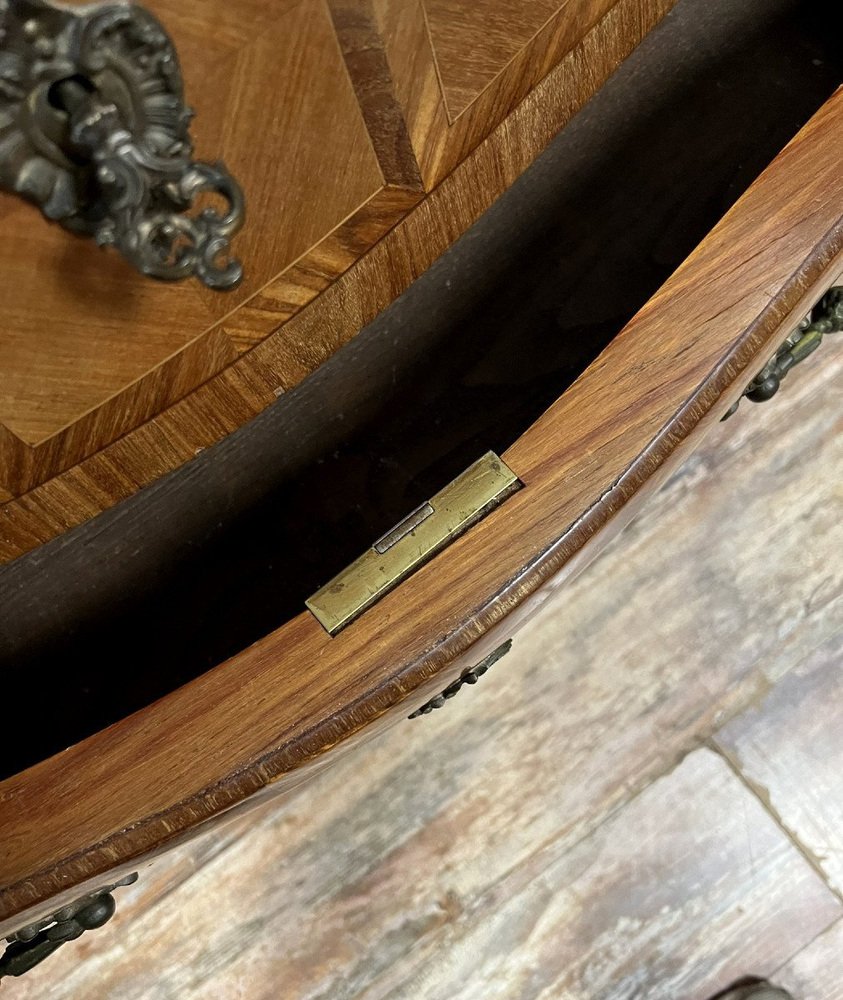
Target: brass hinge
[(412, 542)]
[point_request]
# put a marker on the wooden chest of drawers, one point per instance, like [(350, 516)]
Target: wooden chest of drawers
[(166, 642)]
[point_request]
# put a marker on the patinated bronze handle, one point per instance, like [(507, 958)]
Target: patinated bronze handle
[(94, 129), (30, 945), (826, 317)]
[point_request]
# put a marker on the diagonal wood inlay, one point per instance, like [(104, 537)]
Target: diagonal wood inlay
[(474, 40)]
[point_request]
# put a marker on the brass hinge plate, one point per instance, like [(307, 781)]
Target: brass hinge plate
[(412, 542)]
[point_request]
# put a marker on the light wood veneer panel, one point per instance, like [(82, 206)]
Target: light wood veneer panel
[(474, 40), (287, 123), (414, 43), (77, 326)]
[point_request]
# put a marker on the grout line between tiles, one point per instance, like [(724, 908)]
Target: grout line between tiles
[(759, 792), (807, 945)]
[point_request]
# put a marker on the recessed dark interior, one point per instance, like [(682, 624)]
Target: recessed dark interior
[(124, 609)]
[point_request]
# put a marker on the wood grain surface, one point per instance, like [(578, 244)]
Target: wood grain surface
[(224, 551), (341, 174), (587, 464), (90, 348), (473, 43), (487, 57), (556, 830)]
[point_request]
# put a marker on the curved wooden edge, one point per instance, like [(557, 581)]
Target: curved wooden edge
[(330, 295), (279, 706)]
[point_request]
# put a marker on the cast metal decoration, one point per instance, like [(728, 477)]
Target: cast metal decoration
[(30, 945), (470, 676), (825, 318), (95, 131)]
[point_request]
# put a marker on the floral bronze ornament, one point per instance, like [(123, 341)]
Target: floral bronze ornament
[(94, 130), (30, 945)]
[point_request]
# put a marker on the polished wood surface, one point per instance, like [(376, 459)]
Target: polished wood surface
[(271, 713), (557, 830), (457, 48), (473, 43), (316, 108), (89, 348)]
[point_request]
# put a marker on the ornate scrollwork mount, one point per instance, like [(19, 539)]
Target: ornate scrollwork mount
[(30, 945), (94, 130)]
